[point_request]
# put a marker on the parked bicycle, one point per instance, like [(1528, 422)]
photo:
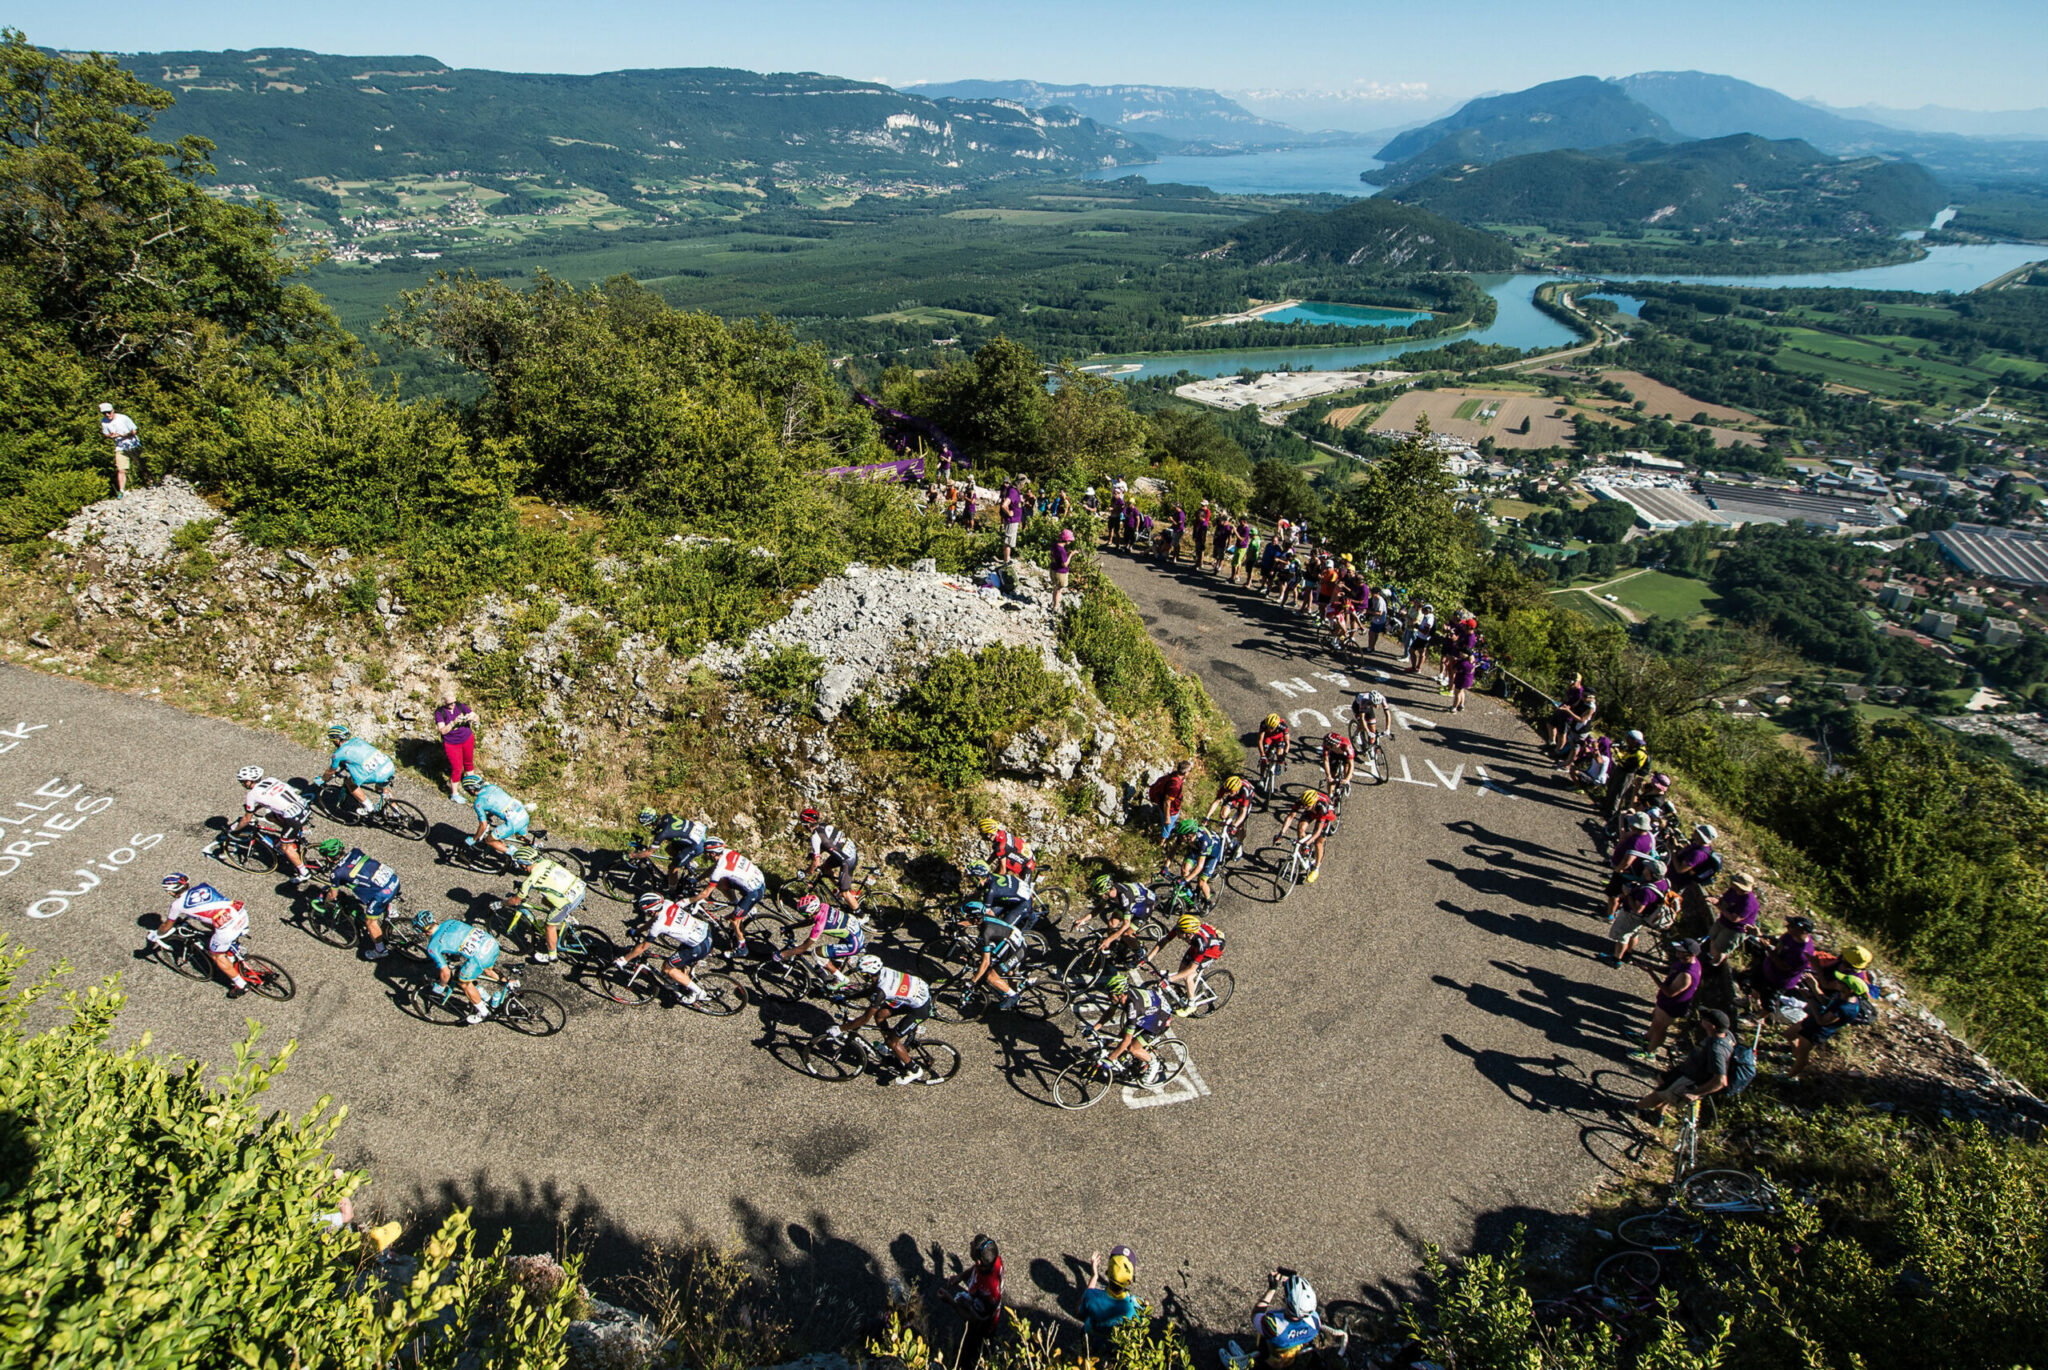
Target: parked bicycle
[(184, 950)]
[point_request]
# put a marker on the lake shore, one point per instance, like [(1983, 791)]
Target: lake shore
[(1252, 315)]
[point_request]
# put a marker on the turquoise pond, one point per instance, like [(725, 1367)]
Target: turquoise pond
[(1345, 315)]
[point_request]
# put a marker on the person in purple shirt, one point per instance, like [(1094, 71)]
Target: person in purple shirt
[(1180, 532), (1013, 519), (456, 722), (1735, 913), (1674, 998), (1641, 905), (1062, 563), (1201, 531), (1788, 963), (969, 511), (1637, 843)]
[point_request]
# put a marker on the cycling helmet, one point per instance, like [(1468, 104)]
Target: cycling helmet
[(870, 964), (976, 870), (1272, 721), (1639, 822), (1119, 983), (177, 882), (714, 846), (1706, 832), (989, 827), (1653, 869), (472, 783), (646, 818), (1335, 739), (1299, 1296), (1635, 735), (808, 818), (809, 905), (338, 732), (332, 848), (1856, 958), (522, 853), (249, 775), (1121, 1271), (1188, 925), (1799, 925), (1104, 884), (423, 919), (1186, 827), (983, 1249), (649, 903)]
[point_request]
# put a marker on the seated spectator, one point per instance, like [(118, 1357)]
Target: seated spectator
[(1108, 1303)]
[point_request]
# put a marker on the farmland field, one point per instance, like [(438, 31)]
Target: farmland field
[(1656, 593), (1476, 414), (1593, 607)]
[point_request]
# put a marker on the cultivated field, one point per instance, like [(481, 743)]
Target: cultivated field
[(1659, 398), (1349, 414), (1476, 414)]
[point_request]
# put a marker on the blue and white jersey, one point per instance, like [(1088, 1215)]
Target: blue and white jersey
[(506, 815), (364, 763)]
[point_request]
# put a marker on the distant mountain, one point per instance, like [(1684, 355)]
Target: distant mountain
[(1366, 108), (1739, 185), (283, 115), (1702, 105), (1168, 116), (1969, 123), (1377, 236), (1581, 112)]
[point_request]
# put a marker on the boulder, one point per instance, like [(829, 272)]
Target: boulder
[(836, 688)]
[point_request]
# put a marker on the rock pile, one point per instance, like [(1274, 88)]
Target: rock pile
[(140, 525)]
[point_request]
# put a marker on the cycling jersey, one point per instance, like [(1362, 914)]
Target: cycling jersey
[(202, 903), (1206, 845), (1009, 855), (735, 870), (1281, 1338), (1236, 806), (680, 836), (558, 888), (1367, 702), (1133, 898), (1147, 1013), (1314, 804), (1268, 740), (372, 884), (364, 763), (273, 798), (1207, 943), (827, 840), (838, 933), (455, 940), (896, 990), (506, 816), (679, 923)]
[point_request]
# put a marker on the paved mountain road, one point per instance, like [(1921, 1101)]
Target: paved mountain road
[(1408, 1055)]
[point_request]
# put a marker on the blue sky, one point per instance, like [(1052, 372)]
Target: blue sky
[(1972, 54)]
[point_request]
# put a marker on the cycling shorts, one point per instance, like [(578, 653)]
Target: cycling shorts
[(567, 908), (228, 931), (687, 954), (1212, 864), (844, 950), (902, 1022), (1152, 1026), (747, 899), (373, 899)]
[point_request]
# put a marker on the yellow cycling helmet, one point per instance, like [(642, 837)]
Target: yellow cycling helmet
[(1189, 925), (1856, 958), (989, 827), (1233, 785), (1120, 1273), (1272, 720)]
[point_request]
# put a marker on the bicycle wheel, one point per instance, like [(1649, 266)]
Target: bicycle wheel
[(269, 979), (338, 804), (633, 986), (1628, 1276), (248, 854), (562, 856), (402, 820), (331, 923), (1086, 971), (187, 956), (834, 1062), (951, 1000), (1090, 1007), (1172, 1055), (532, 1013), (786, 896), (621, 880), (1054, 905), (939, 1061), (724, 993), (428, 1005), (1376, 761), (1219, 984), (1661, 1231), (402, 937), (1080, 1085), (1728, 1190)]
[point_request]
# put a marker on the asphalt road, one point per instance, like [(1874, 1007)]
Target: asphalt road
[(1415, 1052)]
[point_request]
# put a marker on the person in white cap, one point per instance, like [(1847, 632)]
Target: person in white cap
[(127, 445)]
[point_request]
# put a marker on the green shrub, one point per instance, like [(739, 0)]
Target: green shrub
[(194, 535), (47, 500), (786, 678), (958, 715)]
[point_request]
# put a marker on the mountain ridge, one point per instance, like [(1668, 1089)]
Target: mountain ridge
[(1577, 112)]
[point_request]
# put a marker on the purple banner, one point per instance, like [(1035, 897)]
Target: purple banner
[(894, 421)]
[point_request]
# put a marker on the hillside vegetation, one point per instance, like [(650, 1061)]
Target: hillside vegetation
[(1374, 237), (1582, 111)]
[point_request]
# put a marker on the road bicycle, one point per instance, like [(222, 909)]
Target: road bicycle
[(529, 1012), (488, 860), (1213, 987), (1272, 767), (1298, 864), (1623, 1288), (646, 977), (259, 846), (1040, 994), (395, 816), (625, 876), (333, 915), (1372, 752), (574, 941), (881, 912), (1083, 1083), (853, 1054), (790, 976), (1702, 1194), (183, 949)]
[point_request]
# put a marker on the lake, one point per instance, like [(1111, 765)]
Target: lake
[(1283, 171), (1959, 267), (1345, 315)]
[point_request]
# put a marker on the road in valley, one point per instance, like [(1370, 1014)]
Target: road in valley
[(1416, 1051)]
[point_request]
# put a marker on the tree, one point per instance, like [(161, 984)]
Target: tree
[(1282, 490), (1089, 421), (1402, 515), (995, 405)]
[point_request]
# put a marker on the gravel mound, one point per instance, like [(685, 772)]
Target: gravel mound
[(140, 525), (875, 624)]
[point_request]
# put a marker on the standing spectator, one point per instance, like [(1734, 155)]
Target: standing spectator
[(970, 511), (1107, 1303), (1564, 712), (1062, 565), (978, 1294), (1674, 998), (1013, 518), (120, 430), (1735, 913), (1169, 792), (1180, 531), (1202, 520), (457, 724)]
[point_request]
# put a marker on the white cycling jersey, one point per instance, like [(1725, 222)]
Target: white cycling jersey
[(204, 904), (735, 870), (678, 922), (828, 840), (272, 796)]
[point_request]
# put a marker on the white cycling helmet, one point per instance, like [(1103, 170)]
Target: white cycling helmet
[(1706, 832), (248, 773), (870, 964), (1299, 1296)]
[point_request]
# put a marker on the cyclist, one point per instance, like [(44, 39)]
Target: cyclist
[(1233, 807), (1637, 905), (1371, 715), (499, 817), (1274, 738), (831, 849), (557, 890), (1282, 1334), (276, 808), (836, 935), (899, 1004), (682, 839), (1006, 850), (1205, 943), (368, 770), (1340, 761), (1202, 855), (371, 885), (743, 883), (1002, 947), (1124, 905), (683, 933), (451, 941), (1313, 808), (209, 908), (1146, 1015)]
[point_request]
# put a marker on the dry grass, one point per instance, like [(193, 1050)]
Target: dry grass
[(1348, 415), (1514, 407), (1661, 399)]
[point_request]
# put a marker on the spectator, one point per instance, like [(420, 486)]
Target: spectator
[(1787, 968), (1013, 518), (1700, 1074), (1168, 792), (978, 1294), (1558, 729), (1062, 563), (970, 511), (1107, 1303), (1735, 913), (1674, 998), (120, 430), (456, 722), (1850, 1000)]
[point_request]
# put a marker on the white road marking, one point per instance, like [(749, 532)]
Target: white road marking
[(1487, 782), (1334, 677), (1407, 778), (1409, 722), (1291, 688), (1296, 717), (1450, 781), (1182, 1088)]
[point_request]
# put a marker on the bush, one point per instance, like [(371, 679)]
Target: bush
[(786, 678), (47, 500), (958, 715)]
